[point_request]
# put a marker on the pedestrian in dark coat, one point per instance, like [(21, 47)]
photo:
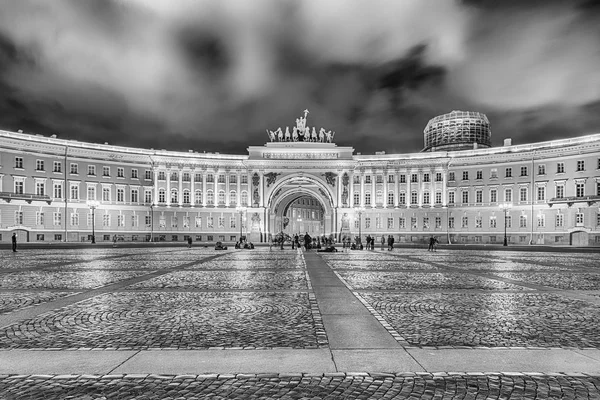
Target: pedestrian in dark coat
[(14, 242)]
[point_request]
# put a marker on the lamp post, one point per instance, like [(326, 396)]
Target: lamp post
[(360, 210), (93, 204), (241, 210), (505, 207)]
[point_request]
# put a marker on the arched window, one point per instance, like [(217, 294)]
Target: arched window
[(233, 197), (186, 196), (244, 198), (210, 198), (221, 197), (161, 195), (174, 197), (198, 197)]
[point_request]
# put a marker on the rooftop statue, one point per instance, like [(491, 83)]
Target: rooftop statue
[(301, 133)]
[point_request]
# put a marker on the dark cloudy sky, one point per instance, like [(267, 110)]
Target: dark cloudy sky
[(214, 74)]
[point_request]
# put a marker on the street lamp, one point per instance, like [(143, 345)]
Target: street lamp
[(93, 204), (241, 210), (505, 207), (359, 210)]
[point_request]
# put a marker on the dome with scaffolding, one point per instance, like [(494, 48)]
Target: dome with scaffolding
[(458, 130)]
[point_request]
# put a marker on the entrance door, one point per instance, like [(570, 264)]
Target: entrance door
[(22, 235), (579, 239)]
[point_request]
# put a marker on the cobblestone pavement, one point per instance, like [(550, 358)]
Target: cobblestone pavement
[(10, 302), (302, 386)]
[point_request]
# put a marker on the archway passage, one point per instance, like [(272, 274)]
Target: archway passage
[(305, 214)]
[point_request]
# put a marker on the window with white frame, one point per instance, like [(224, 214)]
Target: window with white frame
[(18, 217), (508, 195), (134, 173), (120, 194), (134, 221), (581, 165), (465, 222), (368, 199), (541, 193), (186, 196), (106, 194), (522, 221), (478, 221), (379, 197), (451, 197), (185, 177), (438, 197), (134, 195), (74, 219), (221, 196), (39, 165), (579, 189), (367, 222), (221, 222), (39, 218), (210, 197), (426, 177), (523, 194), (560, 220), (162, 221), (438, 222), (450, 222), (74, 169), (377, 222), (494, 173), (74, 192), (524, 171), (57, 190), (56, 218), (19, 162), (479, 196), (232, 222), (221, 179), (426, 198), (414, 197), (19, 186), (438, 176), (148, 196), (391, 178), (425, 222), (465, 196), (560, 190), (390, 223), (198, 222), (233, 197), (186, 221), (91, 192), (508, 172), (493, 195), (198, 196), (479, 175), (541, 220), (91, 170), (541, 169), (174, 176), (210, 178), (493, 222), (402, 198), (390, 199), (209, 222), (560, 167), (174, 221), (579, 219), (244, 197), (56, 166), (174, 196), (120, 220), (40, 188), (148, 220), (401, 222)]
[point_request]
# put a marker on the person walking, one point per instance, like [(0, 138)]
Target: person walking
[(307, 241), (382, 241), (189, 242), (391, 243), (14, 242), (431, 243), (114, 240)]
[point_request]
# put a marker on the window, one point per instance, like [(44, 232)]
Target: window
[(134, 221), (74, 219), (390, 223), (508, 195), (560, 168), (580, 165), (210, 198), (91, 193), (450, 197), (368, 199), (377, 222), (522, 221), (390, 199), (508, 172), (579, 189), (523, 194), (523, 171), (379, 179), (39, 218), (413, 223), (579, 219), (186, 196), (221, 197), (541, 220), (479, 174), (18, 217), (105, 194), (198, 196), (120, 195), (39, 165), (414, 198), (451, 176), (438, 197), (414, 178), (57, 166), (232, 178), (356, 179), (232, 222), (147, 196), (40, 188), (426, 198), (402, 198), (19, 162), (367, 222), (147, 175), (390, 178), (57, 219), (74, 169), (560, 191), (493, 221), (465, 222), (598, 188), (174, 196), (39, 236), (438, 176), (356, 223), (438, 222), (494, 173), (479, 196), (541, 169), (493, 195), (57, 190), (541, 193), (379, 197), (402, 178), (244, 198), (478, 222), (74, 192), (198, 222), (402, 223), (451, 222), (174, 176), (508, 221), (186, 177), (134, 195), (465, 175), (162, 221), (162, 195), (210, 178), (425, 177), (148, 220), (91, 170), (245, 179), (161, 176), (134, 173), (465, 197), (560, 220), (120, 220), (425, 222), (174, 222)]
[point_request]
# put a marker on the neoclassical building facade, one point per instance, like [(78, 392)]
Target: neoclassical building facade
[(459, 189)]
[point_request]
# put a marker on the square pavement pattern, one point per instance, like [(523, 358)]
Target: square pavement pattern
[(135, 301)]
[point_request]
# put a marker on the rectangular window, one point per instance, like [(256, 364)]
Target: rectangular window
[(148, 220), (379, 179), (508, 221), (426, 198), (57, 166), (508, 195), (120, 220), (174, 176), (39, 165), (148, 196), (106, 220), (479, 175), (560, 167), (522, 221), (134, 221), (402, 178), (356, 179), (465, 222), (174, 222), (438, 222), (402, 223), (390, 178), (356, 198), (19, 187), (541, 170), (541, 220), (402, 198), (368, 179), (478, 222), (221, 178), (74, 219), (74, 192), (492, 222), (134, 195), (493, 173), (560, 220), (148, 175), (209, 222), (425, 222), (451, 222), (120, 195), (523, 171), (120, 172), (413, 198), (579, 219), (581, 165), (598, 188), (367, 222), (19, 162), (232, 178), (91, 170), (18, 217), (57, 219), (413, 223), (479, 196), (40, 188), (377, 222), (438, 176), (134, 173), (39, 218), (493, 195), (390, 199), (465, 175), (210, 178), (414, 178), (57, 190), (368, 199), (245, 179), (105, 194), (162, 176), (579, 189), (390, 223), (465, 197), (105, 171), (451, 176), (508, 173), (541, 193), (438, 197), (523, 194), (425, 177), (450, 197), (74, 169)]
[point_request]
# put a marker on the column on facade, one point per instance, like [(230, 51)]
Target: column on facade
[(204, 189), (408, 188), (192, 188), (385, 192), (339, 188), (155, 201), (239, 189), (168, 177), (397, 185), (445, 188), (227, 199), (261, 186), (362, 189), (351, 190), (373, 188), (180, 194)]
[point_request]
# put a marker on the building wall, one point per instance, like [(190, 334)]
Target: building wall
[(554, 186)]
